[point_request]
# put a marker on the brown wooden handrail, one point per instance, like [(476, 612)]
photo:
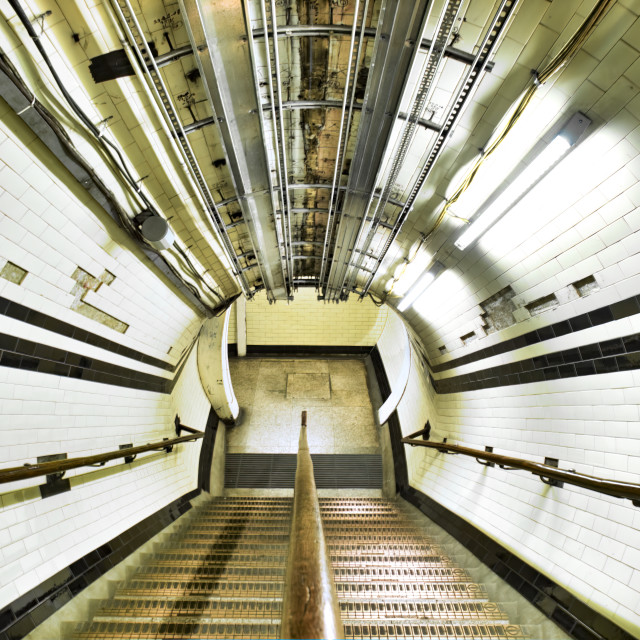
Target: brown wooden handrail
[(32, 470), (547, 473), (310, 606)]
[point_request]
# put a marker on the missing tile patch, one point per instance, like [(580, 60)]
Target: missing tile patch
[(542, 304), (13, 273), (85, 282), (585, 286), (468, 338), (498, 310)]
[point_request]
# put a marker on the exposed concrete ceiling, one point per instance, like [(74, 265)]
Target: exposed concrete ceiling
[(298, 142)]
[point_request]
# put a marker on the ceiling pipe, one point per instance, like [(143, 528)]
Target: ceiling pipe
[(343, 132), (279, 128), (498, 24), (157, 90), (421, 94)]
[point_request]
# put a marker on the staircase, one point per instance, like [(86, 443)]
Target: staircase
[(220, 574)]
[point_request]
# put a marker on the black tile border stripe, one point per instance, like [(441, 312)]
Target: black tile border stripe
[(32, 356), (278, 470), (618, 310), (609, 356), (283, 350), (38, 319), (34, 607), (571, 614)]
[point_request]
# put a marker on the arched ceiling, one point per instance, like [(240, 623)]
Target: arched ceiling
[(299, 142)]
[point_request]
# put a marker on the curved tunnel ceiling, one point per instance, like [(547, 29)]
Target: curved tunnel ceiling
[(314, 142)]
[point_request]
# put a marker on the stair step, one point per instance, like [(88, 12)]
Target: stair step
[(438, 591), (197, 629), (350, 609), (200, 587), (220, 574)]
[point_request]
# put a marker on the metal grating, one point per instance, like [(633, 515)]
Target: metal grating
[(278, 470)]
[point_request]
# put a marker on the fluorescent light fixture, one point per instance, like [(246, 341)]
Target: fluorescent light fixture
[(421, 286), (503, 200), (409, 273)]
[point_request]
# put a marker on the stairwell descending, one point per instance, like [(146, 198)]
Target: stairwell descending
[(220, 574)]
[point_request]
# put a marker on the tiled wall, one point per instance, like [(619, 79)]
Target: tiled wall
[(45, 414), (50, 227), (582, 220), (562, 383), (305, 321), (586, 542)]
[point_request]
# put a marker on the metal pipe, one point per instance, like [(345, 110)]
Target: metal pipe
[(471, 78), (173, 55), (280, 227), (613, 488), (279, 130), (397, 26), (310, 605), (343, 132)]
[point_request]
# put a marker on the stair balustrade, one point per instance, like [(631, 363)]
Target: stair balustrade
[(59, 467), (548, 472), (310, 604)]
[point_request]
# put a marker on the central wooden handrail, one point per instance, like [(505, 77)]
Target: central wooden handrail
[(32, 470), (547, 473), (310, 607)]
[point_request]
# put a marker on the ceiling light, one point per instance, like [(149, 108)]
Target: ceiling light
[(523, 180), (421, 286)]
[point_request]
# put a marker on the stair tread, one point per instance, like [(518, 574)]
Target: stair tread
[(220, 573)]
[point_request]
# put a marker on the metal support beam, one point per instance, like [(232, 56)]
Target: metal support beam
[(431, 67), (498, 24), (400, 22), (290, 105), (302, 185), (327, 30)]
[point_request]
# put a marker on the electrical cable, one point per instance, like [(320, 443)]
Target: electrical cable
[(188, 266), (561, 60), (118, 161), (9, 70)]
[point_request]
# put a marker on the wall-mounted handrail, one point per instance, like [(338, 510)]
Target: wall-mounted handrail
[(545, 472), (32, 470), (310, 605)]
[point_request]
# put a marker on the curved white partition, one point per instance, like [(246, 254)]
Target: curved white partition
[(395, 348), (213, 367)]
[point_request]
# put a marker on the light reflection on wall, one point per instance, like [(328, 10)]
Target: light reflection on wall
[(442, 293)]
